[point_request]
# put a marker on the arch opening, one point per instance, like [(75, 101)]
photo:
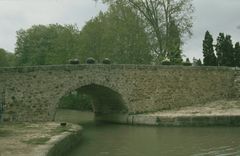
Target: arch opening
[(98, 99), (104, 99)]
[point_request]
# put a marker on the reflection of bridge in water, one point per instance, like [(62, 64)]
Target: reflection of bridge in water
[(33, 93)]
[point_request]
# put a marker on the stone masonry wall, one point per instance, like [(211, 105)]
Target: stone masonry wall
[(33, 93), (237, 84)]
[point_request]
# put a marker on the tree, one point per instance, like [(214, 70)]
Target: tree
[(220, 49), (208, 51), (118, 34), (173, 44), (199, 62), (6, 59), (228, 55), (237, 54), (160, 15), (51, 44), (225, 50)]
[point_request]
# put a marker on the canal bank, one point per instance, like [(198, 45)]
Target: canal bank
[(51, 139), (217, 113), (38, 139)]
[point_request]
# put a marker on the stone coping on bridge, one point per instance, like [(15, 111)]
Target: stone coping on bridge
[(68, 67)]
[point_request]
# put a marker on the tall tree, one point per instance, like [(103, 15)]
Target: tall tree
[(159, 15), (220, 48), (118, 34), (228, 55), (237, 54), (225, 50), (51, 44), (173, 44), (208, 51)]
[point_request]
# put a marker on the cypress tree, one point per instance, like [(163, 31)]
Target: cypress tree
[(199, 62), (208, 51), (219, 48), (237, 54), (228, 52)]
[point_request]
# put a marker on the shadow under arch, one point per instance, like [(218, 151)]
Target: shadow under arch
[(105, 100)]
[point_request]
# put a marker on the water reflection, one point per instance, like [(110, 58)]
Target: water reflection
[(123, 140)]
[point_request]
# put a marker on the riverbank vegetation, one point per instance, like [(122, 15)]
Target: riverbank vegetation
[(223, 53), (76, 101), (129, 32)]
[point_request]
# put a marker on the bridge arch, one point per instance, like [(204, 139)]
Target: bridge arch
[(105, 99)]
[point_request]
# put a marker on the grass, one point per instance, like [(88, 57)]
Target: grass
[(37, 141), (5, 133)]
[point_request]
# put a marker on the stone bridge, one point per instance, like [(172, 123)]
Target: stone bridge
[(33, 93)]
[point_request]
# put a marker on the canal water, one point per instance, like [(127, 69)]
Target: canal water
[(123, 140)]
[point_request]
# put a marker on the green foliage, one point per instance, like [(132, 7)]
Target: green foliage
[(6, 59), (199, 62), (90, 60), (228, 55), (167, 21), (51, 44), (174, 43), (237, 54), (74, 61), (187, 62), (225, 50), (166, 62), (220, 48), (5, 133), (118, 34), (130, 32), (106, 61), (208, 51), (76, 101)]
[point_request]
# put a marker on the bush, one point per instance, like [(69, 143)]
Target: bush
[(187, 62), (106, 61), (90, 60), (166, 62), (74, 61)]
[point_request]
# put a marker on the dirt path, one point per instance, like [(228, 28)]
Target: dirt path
[(215, 108), (21, 139)]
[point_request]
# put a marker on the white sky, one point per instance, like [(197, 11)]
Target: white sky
[(213, 15)]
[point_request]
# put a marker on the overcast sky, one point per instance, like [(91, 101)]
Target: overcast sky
[(213, 15)]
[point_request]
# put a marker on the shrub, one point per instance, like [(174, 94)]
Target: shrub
[(166, 61), (187, 62), (106, 61), (74, 61), (90, 60)]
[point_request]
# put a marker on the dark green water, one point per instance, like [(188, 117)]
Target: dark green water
[(123, 140)]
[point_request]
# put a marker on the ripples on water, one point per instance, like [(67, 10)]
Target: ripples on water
[(123, 140), (220, 151)]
